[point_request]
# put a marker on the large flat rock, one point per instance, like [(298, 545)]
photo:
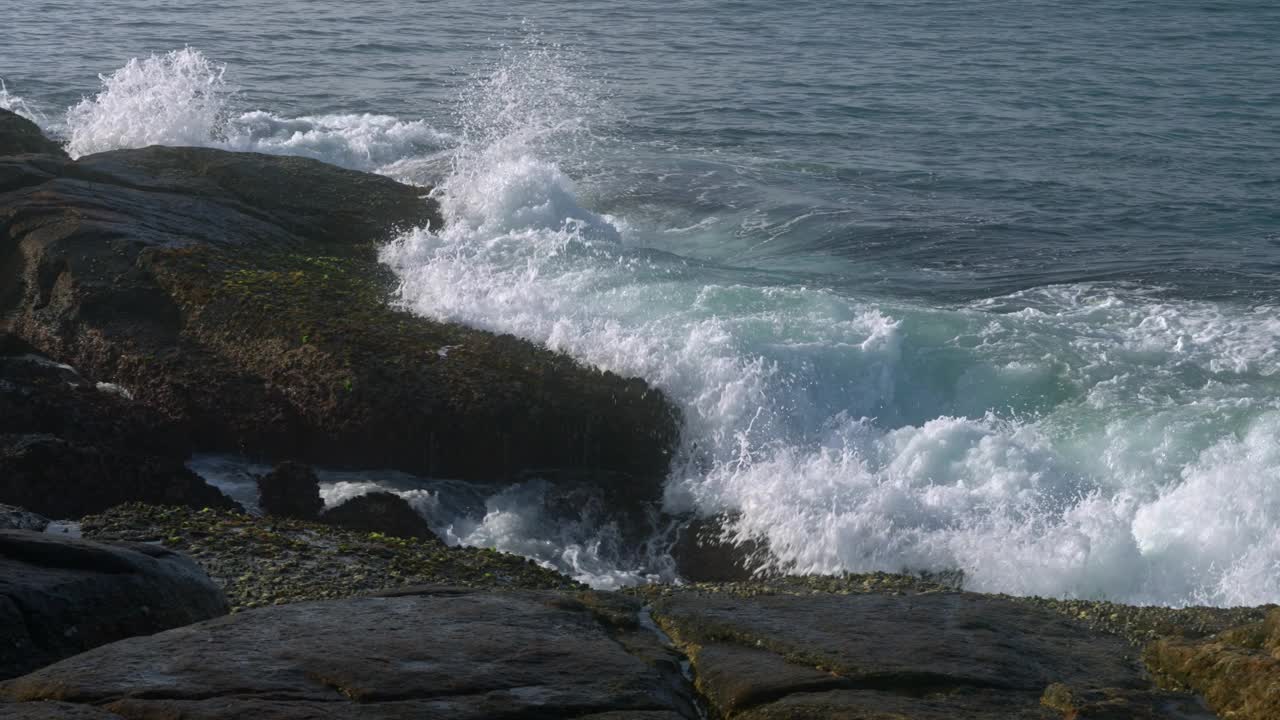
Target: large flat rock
[(60, 596), (430, 653), (929, 656)]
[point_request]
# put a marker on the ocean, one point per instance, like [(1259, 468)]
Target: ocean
[(985, 286)]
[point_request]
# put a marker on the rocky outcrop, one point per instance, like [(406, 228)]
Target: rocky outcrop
[(926, 656), (20, 136), (15, 518), (61, 596), (381, 512), (1237, 671), (240, 296), (424, 653), (269, 560), (69, 447), (290, 490)]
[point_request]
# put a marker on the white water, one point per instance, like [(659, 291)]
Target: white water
[(1084, 440)]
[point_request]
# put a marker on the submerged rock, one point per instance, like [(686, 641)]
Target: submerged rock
[(381, 512), (15, 518), (424, 653), (61, 596), (290, 490), (240, 296)]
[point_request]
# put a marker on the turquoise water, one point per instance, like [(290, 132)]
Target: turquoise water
[(989, 286)]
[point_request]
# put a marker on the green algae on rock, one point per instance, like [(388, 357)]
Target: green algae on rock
[(240, 296), (262, 561)]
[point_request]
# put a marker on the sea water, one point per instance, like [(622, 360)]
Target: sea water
[(989, 287)]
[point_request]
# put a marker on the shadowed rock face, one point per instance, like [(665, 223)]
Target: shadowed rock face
[(439, 653), (69, 448), (290, 490), (15, 518), (19, 136), (240, 297), (929, 656), (61, 596)]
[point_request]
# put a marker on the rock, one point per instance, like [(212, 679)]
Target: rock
[(61, 596), (1237, 671), (381, 512), (20, 136), (270, 560), (53, 711), (15, 518), (290, 490), (429, 653), (702, 556), (69, 446), (65, 480), (924, 656), (241, 295)]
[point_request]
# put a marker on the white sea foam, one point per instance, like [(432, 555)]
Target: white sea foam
[(184, 98), (18, 105), (1067, 441)]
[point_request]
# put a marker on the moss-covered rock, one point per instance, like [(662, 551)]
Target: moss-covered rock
[(240, 296), (262, 561), (1238, 670)]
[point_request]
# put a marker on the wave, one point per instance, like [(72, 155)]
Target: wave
[(1087, 440), (182, 98)]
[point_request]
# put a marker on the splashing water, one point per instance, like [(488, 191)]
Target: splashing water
[(18, 105), (183, 98), (1093, 440), (1068, 441)]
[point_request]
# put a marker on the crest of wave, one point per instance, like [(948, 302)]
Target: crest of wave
[(179, 98)]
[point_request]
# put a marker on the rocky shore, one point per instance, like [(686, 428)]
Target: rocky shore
[(165, 301)]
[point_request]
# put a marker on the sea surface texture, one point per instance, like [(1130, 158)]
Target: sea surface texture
[(982, 286)]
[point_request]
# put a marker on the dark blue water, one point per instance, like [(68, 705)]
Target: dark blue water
[(988, 285)]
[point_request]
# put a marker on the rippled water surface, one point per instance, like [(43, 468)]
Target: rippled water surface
[(987, 285)]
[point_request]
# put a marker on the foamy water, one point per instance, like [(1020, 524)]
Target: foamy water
[(1102, 439)]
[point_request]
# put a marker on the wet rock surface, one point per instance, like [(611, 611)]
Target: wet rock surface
[(922, 655), (380, 512), (267, 561), (426, 653), (61, 596), (20, 136), (1237, 670), (290, 490), (69, 446), (16, 518), (240, 297)]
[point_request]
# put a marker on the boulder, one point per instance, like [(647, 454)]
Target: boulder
[(66, 480), (290, 490), (61, 596), (422, 653), (381, 512), (1237, 671), (15, 518), (69, 447), (20, 136), (926, 656), (240, 295)]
